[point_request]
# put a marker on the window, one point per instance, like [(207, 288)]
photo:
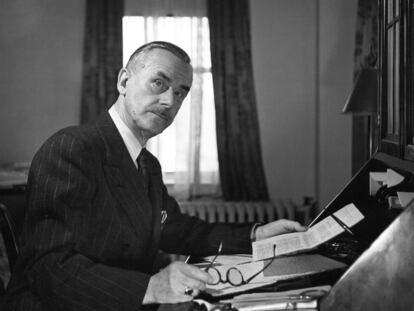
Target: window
[(187, 150), (396, 78)]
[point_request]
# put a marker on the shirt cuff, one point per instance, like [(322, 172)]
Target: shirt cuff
[(253, 231)]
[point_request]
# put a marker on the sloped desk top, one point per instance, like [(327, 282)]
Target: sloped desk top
[(382, 278)]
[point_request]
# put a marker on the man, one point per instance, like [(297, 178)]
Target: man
[(98, 211)]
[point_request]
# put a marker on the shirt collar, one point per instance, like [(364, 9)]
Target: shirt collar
[(131, 142)]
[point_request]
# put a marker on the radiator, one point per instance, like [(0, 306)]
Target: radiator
[(239, 212)]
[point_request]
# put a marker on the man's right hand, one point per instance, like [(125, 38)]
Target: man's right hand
[(168, 285)]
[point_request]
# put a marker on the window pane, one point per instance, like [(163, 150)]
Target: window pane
[(390, 9), (172, 147), (390, 82), (397, 81), (131, 38), (209, 162)]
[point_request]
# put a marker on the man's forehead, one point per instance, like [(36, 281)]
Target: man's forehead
[(162, 61)]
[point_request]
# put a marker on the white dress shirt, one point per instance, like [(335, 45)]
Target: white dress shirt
[(130, 141)]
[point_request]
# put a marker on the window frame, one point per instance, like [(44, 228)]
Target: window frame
[(170, 176), (400, 144)]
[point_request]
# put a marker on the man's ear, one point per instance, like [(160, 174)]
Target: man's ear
[(123, 77)]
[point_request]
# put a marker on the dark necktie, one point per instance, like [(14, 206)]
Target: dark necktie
[(143, 168)]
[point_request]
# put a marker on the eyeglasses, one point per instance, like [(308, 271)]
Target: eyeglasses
[(233, 275)]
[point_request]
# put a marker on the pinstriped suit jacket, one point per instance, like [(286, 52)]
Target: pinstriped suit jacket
[(92, 231)]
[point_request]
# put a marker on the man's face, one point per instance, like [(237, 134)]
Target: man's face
[(155, 92)]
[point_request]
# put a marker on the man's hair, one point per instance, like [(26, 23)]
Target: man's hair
[(177, 51)]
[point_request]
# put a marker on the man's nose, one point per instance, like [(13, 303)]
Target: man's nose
[(167, 98)]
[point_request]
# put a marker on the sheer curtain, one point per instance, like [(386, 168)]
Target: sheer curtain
[(187, 150)]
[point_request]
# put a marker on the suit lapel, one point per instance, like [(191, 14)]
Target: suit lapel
[(124, 180)]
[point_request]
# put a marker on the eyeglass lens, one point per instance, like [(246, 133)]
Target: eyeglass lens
[(233, 276)]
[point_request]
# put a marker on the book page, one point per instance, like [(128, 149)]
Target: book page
[(349, 215), (278, 245), (321, 232), (325, 230)]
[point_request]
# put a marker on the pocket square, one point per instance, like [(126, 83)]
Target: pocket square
[(164, 216)]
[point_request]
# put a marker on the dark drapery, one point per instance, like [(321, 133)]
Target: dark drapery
[(238, 139), (366, 50), (102, 56)]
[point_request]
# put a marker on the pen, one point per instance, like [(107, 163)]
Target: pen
[(187, 259), (346, 228)]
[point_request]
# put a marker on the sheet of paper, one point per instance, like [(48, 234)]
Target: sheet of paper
[(323, 289), (349, 215), (269, 298), (277, 304), (247, 269), (230, 259), (298, 241), (295, 242), (10, 178), (227, 289), (394, 202), (405, 198), (376, 181), (393, 178), (282, 268)]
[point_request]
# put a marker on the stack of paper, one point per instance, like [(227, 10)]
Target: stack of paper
[(304, 298)]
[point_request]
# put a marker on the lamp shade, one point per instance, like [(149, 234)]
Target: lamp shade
[(363, 99)]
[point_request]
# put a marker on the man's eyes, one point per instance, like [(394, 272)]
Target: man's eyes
[(159, 86), (180, 94)]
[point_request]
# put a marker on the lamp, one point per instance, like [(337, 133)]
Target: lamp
[(363, 99)]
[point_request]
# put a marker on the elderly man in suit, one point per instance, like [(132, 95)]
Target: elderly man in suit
[(98, 211)]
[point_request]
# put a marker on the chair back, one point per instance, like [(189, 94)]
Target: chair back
[(10, 236)]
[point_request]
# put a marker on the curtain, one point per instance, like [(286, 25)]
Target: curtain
[(102, 56), (238, 139), (187, 149), (366, 51)]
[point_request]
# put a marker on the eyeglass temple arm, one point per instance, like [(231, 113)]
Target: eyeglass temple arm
[(215, 257), (265, 267)]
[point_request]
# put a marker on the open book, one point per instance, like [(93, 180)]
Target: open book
[(296, 242)]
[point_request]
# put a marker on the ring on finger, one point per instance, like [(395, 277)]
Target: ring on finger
[(188, 291)]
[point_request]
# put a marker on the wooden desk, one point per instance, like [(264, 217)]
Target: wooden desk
[(383, 277)]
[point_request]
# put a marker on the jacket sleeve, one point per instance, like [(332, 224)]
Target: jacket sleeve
[(61, 190), (183, 234)]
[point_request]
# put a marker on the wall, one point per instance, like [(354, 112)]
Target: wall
[(40, 78), (302, 60), (283, 40), (302, 70), (337, 35)]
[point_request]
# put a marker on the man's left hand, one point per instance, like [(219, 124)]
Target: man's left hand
[(278, 227)]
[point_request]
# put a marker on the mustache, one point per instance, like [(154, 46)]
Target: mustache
[(162, 112)]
